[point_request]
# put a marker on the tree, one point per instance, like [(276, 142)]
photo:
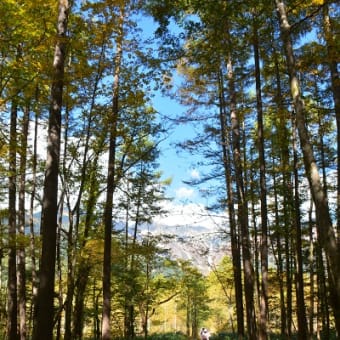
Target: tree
[(45, 304), (21, 224), (112, 128), (325, 229), (12, 216), (263, 187), (331, 45), (194, 298)]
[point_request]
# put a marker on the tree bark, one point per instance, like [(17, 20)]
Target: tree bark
[(12, 304), (242, 207), (332, 53), (235, 246), (325, 229), (279, 262), (45, 304), (299, 282), (31, 220), (263, 190), (284, 155), (83, 267), (21, 227), (106, 332)]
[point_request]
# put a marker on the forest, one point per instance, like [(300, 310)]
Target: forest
[(82, 182)]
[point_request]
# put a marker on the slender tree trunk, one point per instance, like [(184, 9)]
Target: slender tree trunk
[(31, 222), (284, 156), (326, 233), (254, 201), (71, 235), (235, 247), (242, 208), (332, 54), (289, 283), (299, 283), (45, 305), (12, 304), (21, 227), (312, 272), (188, 317), (280, 271), (106, 332), (83, 267), (263, 191), (59, 274), (323, 313)]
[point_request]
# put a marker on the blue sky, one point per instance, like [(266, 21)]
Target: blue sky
[(174, 163)]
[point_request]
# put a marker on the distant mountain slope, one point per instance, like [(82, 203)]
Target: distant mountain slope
[(195, 235)]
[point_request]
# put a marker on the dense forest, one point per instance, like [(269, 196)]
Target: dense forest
[(80, 143)]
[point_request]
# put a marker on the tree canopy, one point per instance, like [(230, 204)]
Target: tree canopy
[(82, 183)]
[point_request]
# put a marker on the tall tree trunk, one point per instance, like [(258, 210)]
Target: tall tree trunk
[(59, 272), (284, 156), (323, 313), (299, 283), (263, 190), (312, 270), (31, 221), (83, 267), (326, 233), (111, 184), (21, 226), (45, 303), (235, 247), (188, 317), (332, 54), (280, 266), (242, 207), (288, 252), (71, 234), (12, 304)]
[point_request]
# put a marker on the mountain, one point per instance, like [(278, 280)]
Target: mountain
[(194, 235)]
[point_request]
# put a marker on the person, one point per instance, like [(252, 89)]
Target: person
[(205, 335)]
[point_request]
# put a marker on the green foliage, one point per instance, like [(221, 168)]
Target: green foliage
[(188, 58)]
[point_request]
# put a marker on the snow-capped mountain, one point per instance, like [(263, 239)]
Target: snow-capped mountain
[(195, 235)]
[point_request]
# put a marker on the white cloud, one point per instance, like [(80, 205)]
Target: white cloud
[(188, 216), (184, 192), (194, 174)]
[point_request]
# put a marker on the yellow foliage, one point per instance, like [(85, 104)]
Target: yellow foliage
[(93, 251), (318, 2)]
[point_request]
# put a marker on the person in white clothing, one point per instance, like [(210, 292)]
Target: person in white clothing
[(204, 334)]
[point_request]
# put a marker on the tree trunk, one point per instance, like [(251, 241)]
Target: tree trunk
[(45, 304), (235, 246), (323, 313), (312, 271), (280, 266), (332, 54), (83, 267), (325, 229), (71, 236), (31, 222), (111, 185), (59, 272), (284, 156), (12, 304), (299, 283), (263, 191), (242, 208), (21, 227)]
